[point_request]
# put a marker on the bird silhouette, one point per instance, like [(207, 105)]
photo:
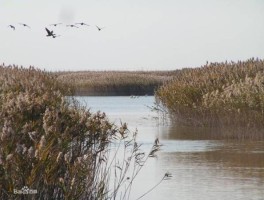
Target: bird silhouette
[(99, 28), (11, 26), (72, 25), (25, 25), (51, 34), (55, 24), (83, 24)]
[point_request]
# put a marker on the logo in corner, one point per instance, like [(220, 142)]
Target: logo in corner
[(25, 190)]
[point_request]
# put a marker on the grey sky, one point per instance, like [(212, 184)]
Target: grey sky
[(139, 34)]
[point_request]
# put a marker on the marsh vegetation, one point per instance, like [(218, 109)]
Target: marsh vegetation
[(227, 97), (113, 83), (51, 144)]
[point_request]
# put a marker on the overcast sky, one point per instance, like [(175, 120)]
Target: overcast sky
[(138, 34)]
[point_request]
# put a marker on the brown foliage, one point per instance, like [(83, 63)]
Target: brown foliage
[(47, 142), (51, 144), (218, 95), (115, 82)]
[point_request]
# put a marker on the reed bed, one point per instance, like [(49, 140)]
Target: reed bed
[(227, 96), (87, 83), (49, 143)]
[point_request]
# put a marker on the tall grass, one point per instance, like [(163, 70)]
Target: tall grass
[(51, 144), (226, 95), (115, 82)]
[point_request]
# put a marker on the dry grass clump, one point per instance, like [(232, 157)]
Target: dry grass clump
[(219, 95), (51, 144), (114, 82)]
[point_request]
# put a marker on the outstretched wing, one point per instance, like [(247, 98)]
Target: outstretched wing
[(99, 28), (11, 26), (48, 31)]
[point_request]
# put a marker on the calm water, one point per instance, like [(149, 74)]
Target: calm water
[(201, 169)]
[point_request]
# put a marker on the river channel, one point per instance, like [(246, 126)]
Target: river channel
[(201, 168)]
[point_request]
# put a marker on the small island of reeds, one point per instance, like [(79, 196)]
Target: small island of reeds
[(115, 83), (227, 97)]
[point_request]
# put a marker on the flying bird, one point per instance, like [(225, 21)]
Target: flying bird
[(50, 33), (25, 25), (83, 24), (11, 26), (99, 28), (55, 24), (72, 25)]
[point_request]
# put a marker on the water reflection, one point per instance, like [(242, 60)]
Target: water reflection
[(230, 171), (201, 168)]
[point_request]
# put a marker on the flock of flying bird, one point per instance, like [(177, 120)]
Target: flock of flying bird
[(50, 33)]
